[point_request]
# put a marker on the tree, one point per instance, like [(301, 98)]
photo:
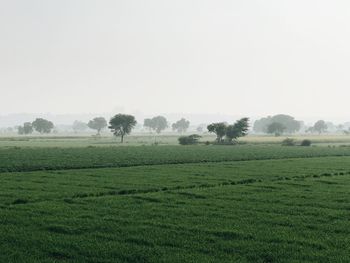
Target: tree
[(42, 125), (79, 126), (147, 123), (219, 129), (320, 126), (27, 128), (239, 129), (121, 125), (181, 126), (98, 124), (158, 124), (276, 128), (291, 125)]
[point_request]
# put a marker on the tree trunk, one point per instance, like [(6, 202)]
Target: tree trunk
[(122, 138)]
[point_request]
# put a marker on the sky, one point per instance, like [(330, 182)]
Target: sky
[(159, 56)]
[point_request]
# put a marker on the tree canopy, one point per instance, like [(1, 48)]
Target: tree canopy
[(122, 124), (291, 125), (42, 125), (158, 124), (219, 128), (320, 126), (276, 128), (181, 126), (98, 124), (239, 129)]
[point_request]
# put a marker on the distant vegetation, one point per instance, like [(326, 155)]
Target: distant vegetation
[(227, 132), (277, 125)]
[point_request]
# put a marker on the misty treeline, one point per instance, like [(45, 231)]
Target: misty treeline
[(285, 124), (122, 124)]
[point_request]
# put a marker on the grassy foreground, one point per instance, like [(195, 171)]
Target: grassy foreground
[(175, 204)]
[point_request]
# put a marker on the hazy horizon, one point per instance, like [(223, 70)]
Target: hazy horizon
[(236, 58)]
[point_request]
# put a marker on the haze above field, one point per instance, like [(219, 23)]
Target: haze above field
[(237, 58)]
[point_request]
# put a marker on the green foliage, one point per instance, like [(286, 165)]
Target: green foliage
[(33, 159), (239, 129), (181, 126), (122, 124), (276, 128), (172, 213), (98, 124), (219, 129), (320, 126), (158, 124), (288, 142), (291, 125), (191, 139), (42, 125), (305, 142)]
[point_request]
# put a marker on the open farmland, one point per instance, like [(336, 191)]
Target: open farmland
[(170, 204)]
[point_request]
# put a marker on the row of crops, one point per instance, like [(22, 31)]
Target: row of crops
[(32, 159)]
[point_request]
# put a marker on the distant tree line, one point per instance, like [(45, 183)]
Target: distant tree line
[(40, 125), (280, 124), (122, 125)]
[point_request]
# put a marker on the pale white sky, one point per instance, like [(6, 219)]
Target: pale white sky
[(224, 56)]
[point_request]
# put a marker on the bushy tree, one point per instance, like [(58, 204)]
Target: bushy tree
[(79, 126), (27, 128), (239, 129), (97, 124), (276, 128), (42, 125), (291, 125), (181, 126), (147, 123), (219, 128), (158, 124), (320, 126), (121, 125)]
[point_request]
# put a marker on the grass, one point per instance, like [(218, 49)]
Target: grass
[(68, 141), (33, 159), (249, 203)]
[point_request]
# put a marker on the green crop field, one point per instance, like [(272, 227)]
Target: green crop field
[(243, 203)]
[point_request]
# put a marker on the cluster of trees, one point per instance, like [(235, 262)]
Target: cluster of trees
[(277, 124), (40, 125), (120, 125), (160, 123), (228, 132), (281, 123)]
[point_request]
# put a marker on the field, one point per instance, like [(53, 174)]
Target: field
[(74, 201)]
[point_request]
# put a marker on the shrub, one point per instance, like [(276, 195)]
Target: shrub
[(288, 142), (305, 143), (191, 139)]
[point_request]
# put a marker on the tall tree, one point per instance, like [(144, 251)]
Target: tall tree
[(147, 123), (98, 124), (291, 125), (159, 123), (42, 125), (276, 128), (219, 129), (28, 128), (121, 125), (320, 126), (181, 126), (239, 129)]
